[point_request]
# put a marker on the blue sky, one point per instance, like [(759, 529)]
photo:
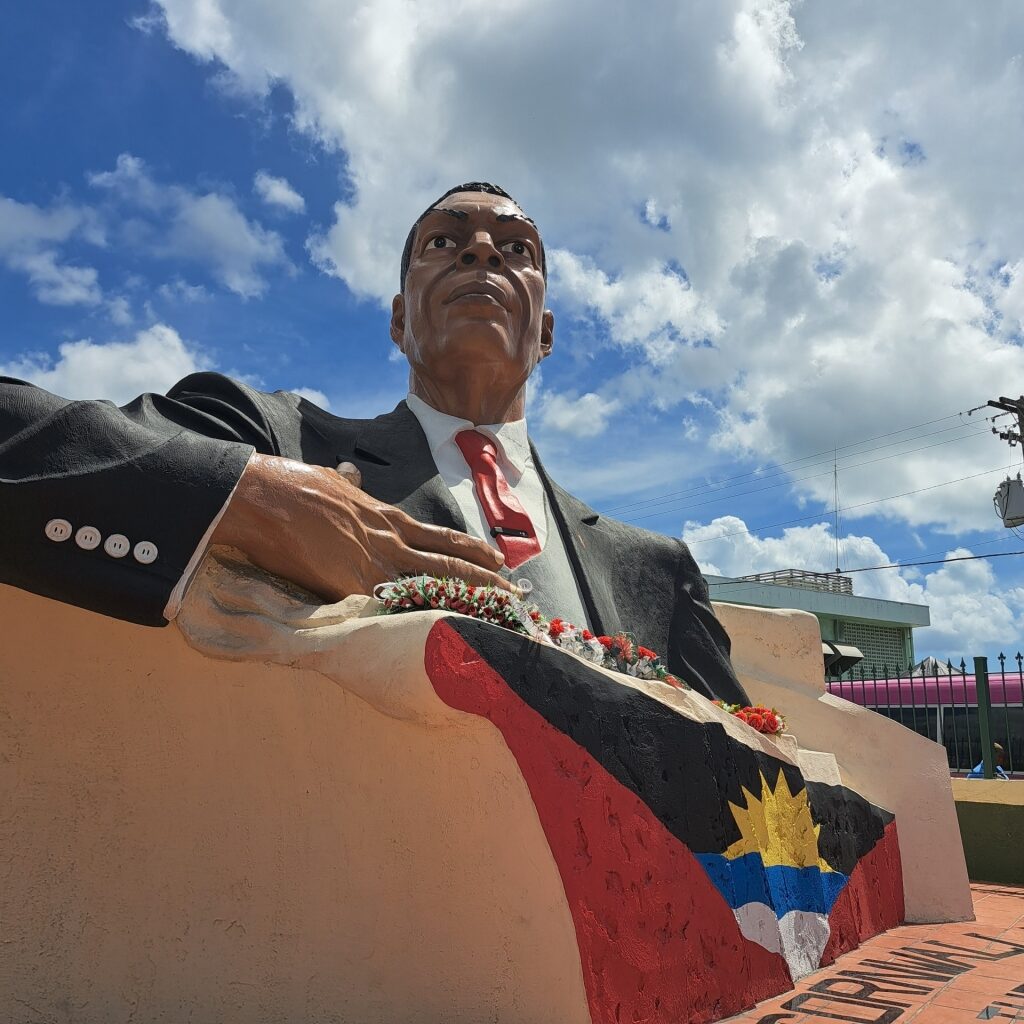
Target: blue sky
[(774, 229)]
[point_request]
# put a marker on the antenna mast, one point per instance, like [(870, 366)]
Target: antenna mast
[(835, 500)]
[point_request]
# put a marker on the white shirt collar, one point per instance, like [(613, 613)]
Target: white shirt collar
[(440, 429)]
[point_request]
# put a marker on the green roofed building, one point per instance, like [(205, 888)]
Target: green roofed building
[(867, 632)]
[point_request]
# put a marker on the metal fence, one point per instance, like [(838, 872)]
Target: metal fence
[(966, 711)]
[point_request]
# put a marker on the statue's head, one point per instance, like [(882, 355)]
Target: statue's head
[(473, 283)]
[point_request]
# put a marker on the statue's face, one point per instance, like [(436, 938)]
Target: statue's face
[(474, 292)]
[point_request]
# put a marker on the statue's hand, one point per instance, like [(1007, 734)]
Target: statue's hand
[(315, 527), (236, 612)]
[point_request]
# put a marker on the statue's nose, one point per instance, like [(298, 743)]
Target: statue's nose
[(481, 249)]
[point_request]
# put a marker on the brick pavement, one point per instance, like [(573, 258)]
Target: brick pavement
[(925, 974)]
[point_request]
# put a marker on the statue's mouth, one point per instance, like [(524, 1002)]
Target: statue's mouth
[(478, 291)]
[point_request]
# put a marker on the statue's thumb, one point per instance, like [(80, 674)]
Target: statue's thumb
[(350, 473)]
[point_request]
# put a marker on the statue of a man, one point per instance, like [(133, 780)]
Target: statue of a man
[(112, 509)]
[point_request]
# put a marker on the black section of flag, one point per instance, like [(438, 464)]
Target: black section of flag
[(850, 826), (686, 772)]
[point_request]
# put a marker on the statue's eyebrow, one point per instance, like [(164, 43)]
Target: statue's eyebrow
[(503, 218), (457, 214)]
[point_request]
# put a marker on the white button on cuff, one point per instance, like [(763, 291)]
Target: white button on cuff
[(87, 537), (117, 545), (58, 530), (145, 552)]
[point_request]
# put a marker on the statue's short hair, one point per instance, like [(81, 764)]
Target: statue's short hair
[(469, 186)]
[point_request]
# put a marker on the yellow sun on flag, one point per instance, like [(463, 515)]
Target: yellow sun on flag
[(778, 826)]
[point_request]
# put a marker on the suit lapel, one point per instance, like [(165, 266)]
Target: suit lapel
[(586, 547), (392, 453)]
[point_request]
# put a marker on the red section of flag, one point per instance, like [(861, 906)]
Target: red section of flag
[(657, 942), (872, 901)]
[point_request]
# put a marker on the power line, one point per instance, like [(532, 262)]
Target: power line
[(895, 565), (936, 561), (862, 504), (786, 482), (705, 488), (999, 539), (815, 455), (779, 469)]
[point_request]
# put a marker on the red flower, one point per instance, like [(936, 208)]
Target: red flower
[(606, 642), (587, 635), (535, 615), (755, 720), (771, 722), (623, 646), (556, 628), (646, 652), (673, 681)]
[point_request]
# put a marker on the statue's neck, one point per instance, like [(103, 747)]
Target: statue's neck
[(478, 402)]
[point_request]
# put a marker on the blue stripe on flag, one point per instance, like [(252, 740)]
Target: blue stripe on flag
[(746, 880)]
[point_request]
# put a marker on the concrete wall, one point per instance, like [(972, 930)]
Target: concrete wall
[(991, 816), (311, 832)]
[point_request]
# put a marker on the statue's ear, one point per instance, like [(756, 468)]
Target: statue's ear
[(547, 333), (398, 320)]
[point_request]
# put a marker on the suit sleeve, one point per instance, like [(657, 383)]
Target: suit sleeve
[(157, 470), (700, 646)]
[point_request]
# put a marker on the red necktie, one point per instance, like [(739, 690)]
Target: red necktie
[(509, 523)]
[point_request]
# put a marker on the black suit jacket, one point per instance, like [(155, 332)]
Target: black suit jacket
[(161, 467)]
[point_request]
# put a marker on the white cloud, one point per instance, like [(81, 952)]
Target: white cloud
[(797, 212), (179, 290), (30, 242), (154, 360), (130, 181), (585, 416), (59, 284), (210, 228), (654, 308), (278, 192), (205, 228), (970, 610), (119, 310), (313, 395)]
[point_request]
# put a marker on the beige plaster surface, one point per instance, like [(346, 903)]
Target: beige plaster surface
[(777, 655), (989, 791), (193, 840)]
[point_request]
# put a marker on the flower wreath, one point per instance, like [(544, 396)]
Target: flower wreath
[(619, 652), (757, 716)]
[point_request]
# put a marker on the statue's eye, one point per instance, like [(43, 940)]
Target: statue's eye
[(443, 242), (517, 247)]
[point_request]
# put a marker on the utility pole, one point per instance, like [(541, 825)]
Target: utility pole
[(1009, 497), (1016, 407)]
